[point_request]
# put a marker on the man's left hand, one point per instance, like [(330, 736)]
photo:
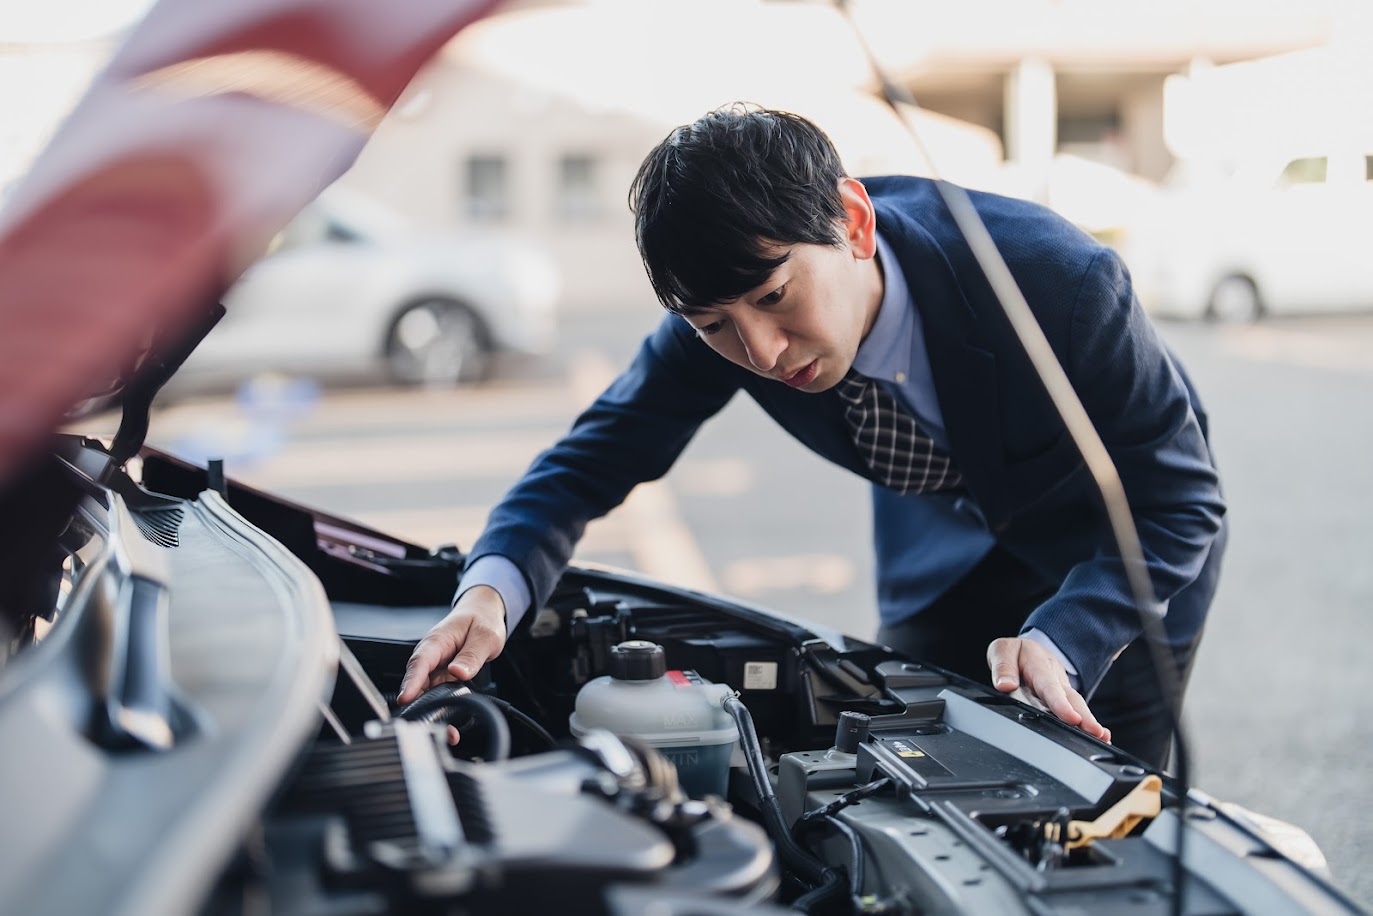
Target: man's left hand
[(1026, 666)]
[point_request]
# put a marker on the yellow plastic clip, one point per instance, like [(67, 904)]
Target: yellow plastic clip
[(1144, 801)]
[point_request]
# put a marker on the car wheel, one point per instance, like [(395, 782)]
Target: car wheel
[(437, 342), (1235, 299)]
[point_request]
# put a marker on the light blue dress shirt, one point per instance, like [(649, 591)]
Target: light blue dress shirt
[(894, 355)]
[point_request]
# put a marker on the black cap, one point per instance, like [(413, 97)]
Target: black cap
[(850, 731), (637, 660)]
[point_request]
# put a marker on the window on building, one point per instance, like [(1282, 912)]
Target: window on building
[(1368, 168), (1096, 137), (488, 188), (578, 188), (1308, 170)]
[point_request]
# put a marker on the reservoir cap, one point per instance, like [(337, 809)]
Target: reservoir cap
[(637, 660)]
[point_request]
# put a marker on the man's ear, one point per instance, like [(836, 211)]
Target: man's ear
[(860, 220)]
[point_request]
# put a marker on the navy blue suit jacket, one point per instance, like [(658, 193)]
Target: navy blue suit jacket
[(1017, 459)]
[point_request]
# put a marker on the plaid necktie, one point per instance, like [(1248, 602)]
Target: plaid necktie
[(899, 453)]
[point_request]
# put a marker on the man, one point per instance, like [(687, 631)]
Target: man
[(854, 313)]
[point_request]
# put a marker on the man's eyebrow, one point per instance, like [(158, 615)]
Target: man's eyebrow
[(696, 311)]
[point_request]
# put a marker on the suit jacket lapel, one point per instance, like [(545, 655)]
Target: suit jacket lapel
[(964, 371)]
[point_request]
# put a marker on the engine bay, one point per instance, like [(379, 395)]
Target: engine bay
[(861, 781), (227, 664)]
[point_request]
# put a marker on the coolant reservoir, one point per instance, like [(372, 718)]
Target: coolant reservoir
[(677, 712)]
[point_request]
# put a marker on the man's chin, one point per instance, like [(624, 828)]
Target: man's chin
[(824, 381)]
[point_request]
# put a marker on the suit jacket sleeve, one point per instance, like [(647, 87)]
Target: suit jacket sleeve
[(632, 433), (1140, 406)]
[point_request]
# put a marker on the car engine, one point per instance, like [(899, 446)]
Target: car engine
[(209, 711)]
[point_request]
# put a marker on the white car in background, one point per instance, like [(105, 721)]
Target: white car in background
[(1278, 235), (348, 290)]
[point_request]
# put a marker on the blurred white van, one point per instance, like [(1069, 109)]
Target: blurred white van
[(1277, 234)]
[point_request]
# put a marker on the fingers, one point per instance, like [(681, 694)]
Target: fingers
[(1003, 658), (483, 643), (1055, 695), (438, 677), (1024, 664), (472, 634), (1089, 723), (429, 654), (1081, 715), (1066, 703)]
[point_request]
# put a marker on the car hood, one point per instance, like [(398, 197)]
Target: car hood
[(172, 173)]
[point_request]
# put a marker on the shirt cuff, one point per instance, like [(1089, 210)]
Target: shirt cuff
[(1043, 639), (500, 573)]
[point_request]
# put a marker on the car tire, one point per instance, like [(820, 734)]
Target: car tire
[(437, 342), (1235, 300)]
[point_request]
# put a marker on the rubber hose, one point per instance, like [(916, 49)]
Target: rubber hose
[(811, 869), (487, 713), (833, 887), (856, 861), (432, 698)]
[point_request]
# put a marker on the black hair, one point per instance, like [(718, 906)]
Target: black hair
[(712, 197)]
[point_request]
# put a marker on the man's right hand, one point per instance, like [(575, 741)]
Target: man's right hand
[(457, 646)]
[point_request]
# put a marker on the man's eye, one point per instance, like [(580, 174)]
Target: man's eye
[(774, 297), (709, 329)]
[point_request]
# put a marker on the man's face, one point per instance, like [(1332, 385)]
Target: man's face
[(803, 326)]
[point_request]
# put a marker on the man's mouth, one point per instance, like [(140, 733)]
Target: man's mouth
[(803, 376)]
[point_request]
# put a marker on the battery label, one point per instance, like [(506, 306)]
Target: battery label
[(916, 758), (906, 750)]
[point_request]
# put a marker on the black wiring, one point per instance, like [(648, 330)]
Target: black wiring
[(825, 881), (856, 854), (526, 720), (856, 857), (843, 801), (814, 899)]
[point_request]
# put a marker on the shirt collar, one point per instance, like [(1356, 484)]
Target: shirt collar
[(886, 351)]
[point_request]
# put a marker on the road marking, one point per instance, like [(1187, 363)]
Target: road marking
[(826, 573), (293, 463), (1308, 349), (461, 525), (336, 411), (428, 527)]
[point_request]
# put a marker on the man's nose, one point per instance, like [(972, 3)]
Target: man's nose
[(763, 343)]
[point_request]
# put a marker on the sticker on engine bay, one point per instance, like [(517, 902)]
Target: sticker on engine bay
[(760, 675), (913, 756)]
